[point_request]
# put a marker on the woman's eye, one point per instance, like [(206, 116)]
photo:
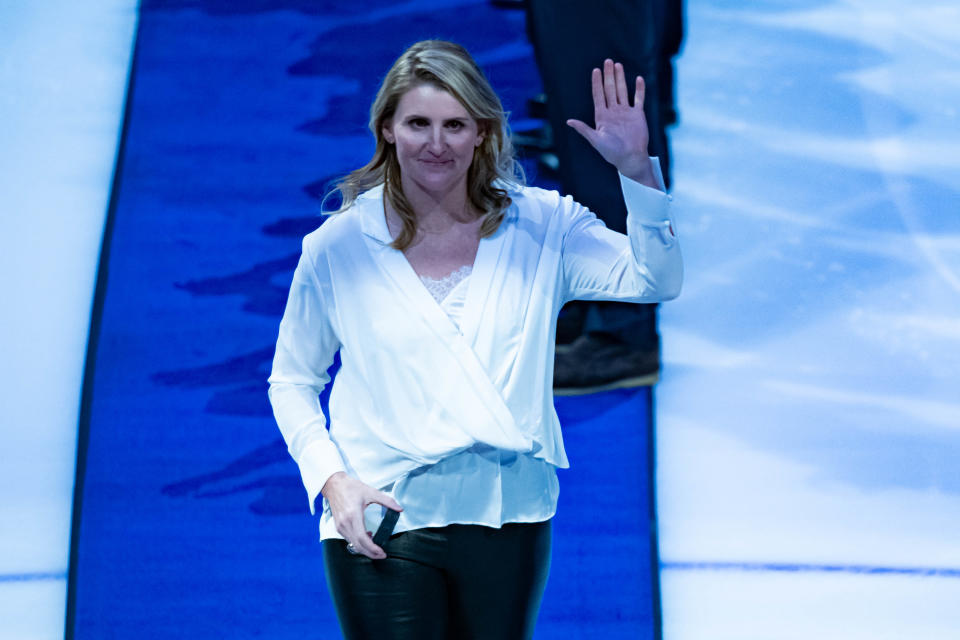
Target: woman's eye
[(455, 124), (418, 122)]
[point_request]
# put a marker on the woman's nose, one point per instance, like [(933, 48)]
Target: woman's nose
[(437, 141)]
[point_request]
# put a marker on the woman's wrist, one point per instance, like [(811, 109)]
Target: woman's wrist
[(332, 481), (640, 170)]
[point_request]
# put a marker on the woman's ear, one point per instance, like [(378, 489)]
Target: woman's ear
[(387, 132)]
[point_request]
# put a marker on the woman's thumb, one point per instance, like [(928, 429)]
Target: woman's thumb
[(582, 128), (388, 502)]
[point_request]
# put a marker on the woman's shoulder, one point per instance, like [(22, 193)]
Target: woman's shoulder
[(540, 203), (334, 229), (347, 224), (534, 194)]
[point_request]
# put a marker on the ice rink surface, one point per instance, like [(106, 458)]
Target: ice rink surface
[(63, 74), (809, 414)]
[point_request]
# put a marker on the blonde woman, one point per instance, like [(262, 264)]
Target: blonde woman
[(439, 281)]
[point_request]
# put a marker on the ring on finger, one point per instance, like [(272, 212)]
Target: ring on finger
[(352, 549)]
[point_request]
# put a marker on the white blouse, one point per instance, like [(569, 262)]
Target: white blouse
[(481, 485), (455, 420)]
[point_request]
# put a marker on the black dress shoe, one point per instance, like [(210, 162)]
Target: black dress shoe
[(599, 362)]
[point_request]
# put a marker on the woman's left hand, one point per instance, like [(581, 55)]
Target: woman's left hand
[(621, 133)]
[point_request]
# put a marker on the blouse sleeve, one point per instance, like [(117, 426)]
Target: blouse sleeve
[(643, 266), (306, 348)]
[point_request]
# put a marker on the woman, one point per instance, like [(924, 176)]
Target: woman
[(439, 281)]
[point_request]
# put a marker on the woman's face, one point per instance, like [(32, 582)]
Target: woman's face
[(435, 138)]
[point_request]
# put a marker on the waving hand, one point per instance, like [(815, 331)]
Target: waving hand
[(621, 133)]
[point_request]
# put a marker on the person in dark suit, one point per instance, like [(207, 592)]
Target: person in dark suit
[(604, 345)]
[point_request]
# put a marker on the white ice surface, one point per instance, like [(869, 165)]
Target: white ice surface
[(809, 411), (63, 72), (32, 610), (718, 605)]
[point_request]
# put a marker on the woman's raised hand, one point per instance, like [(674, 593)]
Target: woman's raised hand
[(621, 133), (348, 497)]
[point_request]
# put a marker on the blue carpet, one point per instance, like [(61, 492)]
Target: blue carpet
[(193, 520)]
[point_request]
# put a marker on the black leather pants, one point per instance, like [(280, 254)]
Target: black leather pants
[(459, 581)]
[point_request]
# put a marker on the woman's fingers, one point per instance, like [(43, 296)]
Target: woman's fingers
[(610, 87), (349, 498), (359, 540), (387, 501), (640, 94), (596, 83), (621, 82), (620, 132), (609, 83), (583, 129), (363, 544)]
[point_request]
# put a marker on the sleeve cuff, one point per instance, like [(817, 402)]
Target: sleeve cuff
[(647, 205), (318, 461)]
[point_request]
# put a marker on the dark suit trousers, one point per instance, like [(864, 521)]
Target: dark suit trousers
[(570, 38)]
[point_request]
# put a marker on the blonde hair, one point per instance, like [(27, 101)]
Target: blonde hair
[(449, 67)]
